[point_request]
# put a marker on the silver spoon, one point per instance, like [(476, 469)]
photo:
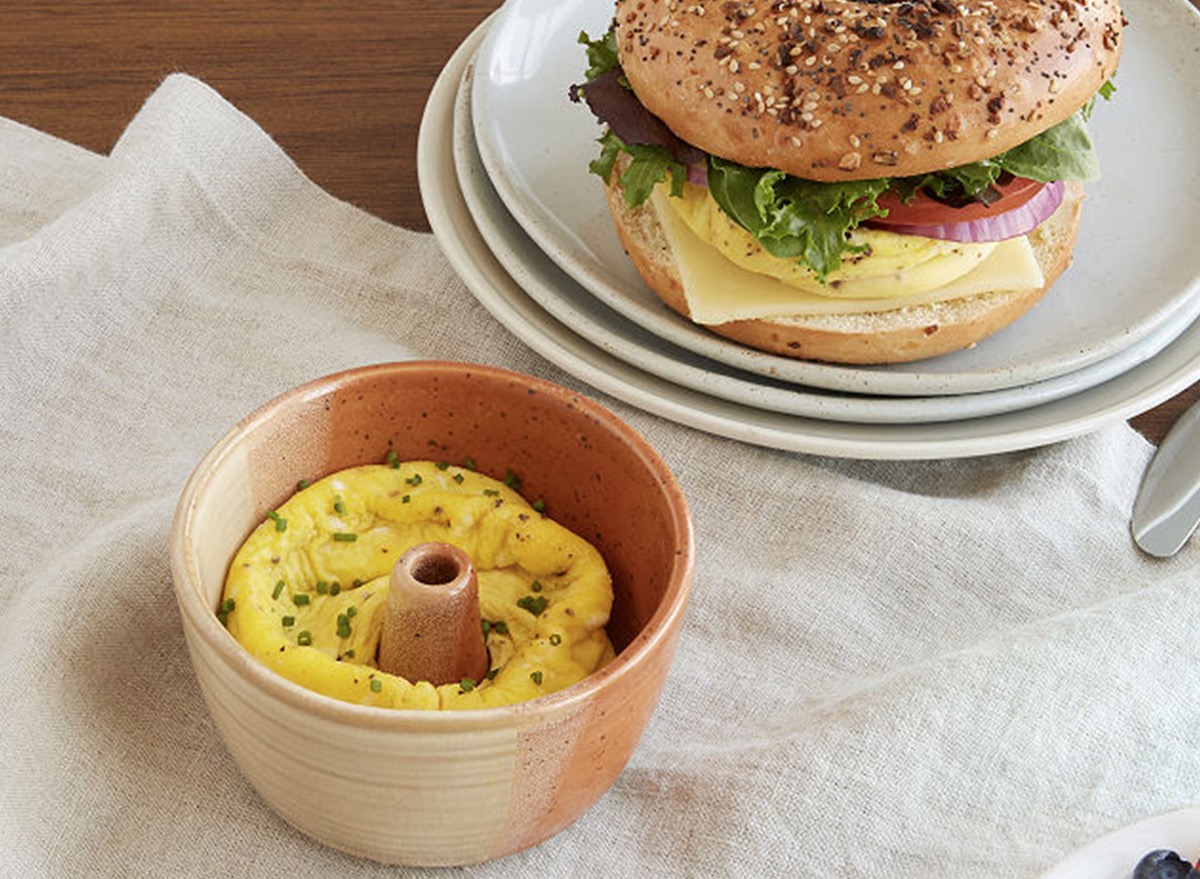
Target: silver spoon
[(1167, 508)]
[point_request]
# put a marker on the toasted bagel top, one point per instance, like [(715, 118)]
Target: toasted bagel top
[(855, 89)]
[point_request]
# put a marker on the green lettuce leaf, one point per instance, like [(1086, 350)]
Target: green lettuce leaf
[(601, 53), (1064, 152), (648, 167), (952, 185), (794, 218), (1106, 91)]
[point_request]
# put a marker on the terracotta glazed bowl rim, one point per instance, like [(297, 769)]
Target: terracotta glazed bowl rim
[(202, 620)]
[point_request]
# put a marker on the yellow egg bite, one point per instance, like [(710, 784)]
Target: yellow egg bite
[(307, 592), (889, 266)]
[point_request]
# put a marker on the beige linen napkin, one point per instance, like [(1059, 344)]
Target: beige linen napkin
[(925, 669)]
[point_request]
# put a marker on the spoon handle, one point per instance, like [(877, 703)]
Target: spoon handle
[(1168, 504)]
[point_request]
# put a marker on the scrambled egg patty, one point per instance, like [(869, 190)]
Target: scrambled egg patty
[(891, 265), (307, 592)]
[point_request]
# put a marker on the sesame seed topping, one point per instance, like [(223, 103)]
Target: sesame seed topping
[(805, 63)]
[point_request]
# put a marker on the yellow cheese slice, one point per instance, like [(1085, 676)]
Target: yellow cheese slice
[(717, 291)]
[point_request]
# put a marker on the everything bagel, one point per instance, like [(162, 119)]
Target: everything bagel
[(906, 176)]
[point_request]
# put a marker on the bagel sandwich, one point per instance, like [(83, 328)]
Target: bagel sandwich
[(850, 181)]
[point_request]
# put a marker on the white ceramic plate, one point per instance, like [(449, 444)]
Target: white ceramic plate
[(1114, 856), (1141, 388), (1136, 269), (573, 306)]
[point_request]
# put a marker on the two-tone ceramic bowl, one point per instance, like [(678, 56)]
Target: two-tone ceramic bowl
[(439, 787)]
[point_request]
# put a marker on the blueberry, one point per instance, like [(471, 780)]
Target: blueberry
[(1162, 864)]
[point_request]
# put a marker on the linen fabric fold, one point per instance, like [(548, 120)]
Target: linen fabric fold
[(921, 669)]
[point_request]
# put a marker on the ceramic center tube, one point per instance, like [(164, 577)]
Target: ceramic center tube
[(432, 630)]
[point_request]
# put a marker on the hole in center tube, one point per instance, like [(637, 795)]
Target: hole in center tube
[(435, 570)]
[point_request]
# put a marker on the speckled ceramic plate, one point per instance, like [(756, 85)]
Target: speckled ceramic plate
[(569, 303), (1140, 388), (1134, 273)]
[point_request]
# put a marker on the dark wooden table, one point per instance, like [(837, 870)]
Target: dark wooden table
[(340, 86)]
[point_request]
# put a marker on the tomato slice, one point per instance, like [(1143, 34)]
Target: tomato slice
[(924, 210)]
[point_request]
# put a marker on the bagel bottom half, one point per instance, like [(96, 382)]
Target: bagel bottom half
[(896, 336)]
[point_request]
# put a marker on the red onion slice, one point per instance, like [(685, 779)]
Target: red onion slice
[(1010, 224), (697, 173)]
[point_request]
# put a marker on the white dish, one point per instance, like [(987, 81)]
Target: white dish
[(1141, 388), (573, 306), (1114, 856), (1125, 284)]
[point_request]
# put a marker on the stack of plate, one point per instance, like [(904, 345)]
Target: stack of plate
[(503, 159)]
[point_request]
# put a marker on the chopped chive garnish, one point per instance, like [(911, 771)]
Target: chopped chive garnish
[(343, 626), (441, 465), (539, 505), (466, 685), (278, 589), (535, 586), (469, 463), (322, 587), (303, 484), (492, 492), (498, 626), (492, 673), (393, 459), (415, 479), (351, 611), (288, 621), (301, 598), (280, 522), (344, 537), (536, 677), (339, 506), (535, 604), (304, 638), (335, 588), (511, 479), (555, 639), (349, 654), (376, 685), (458, 477), (227, 605), (406, 499)]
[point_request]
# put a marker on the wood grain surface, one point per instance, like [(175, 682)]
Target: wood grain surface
[(340, 86)]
